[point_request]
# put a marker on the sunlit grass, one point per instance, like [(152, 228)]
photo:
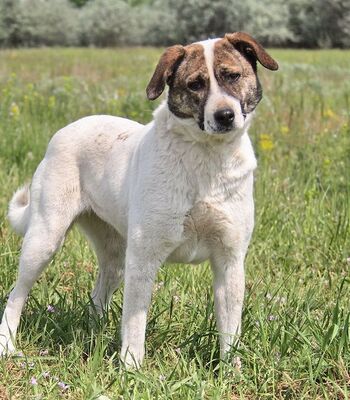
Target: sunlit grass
[(295, 341)]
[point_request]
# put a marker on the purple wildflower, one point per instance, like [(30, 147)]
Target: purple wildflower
[(63, 386), (29, 365), (51, 309), (33, 380)]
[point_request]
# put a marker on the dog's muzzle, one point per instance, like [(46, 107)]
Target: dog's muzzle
[(224, 119)]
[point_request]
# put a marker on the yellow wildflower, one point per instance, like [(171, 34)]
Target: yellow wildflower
[(265, 142), (326, 161), (14, 110), (284, 129), (329, 113)]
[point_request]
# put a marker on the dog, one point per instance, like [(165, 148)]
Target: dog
[(179, 189)]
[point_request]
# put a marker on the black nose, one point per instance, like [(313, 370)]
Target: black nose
[(224, 117)]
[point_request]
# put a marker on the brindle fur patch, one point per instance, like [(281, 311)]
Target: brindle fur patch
[(246, 88), (182, 101)]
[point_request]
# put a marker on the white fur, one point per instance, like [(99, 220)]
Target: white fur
[(143, 195)]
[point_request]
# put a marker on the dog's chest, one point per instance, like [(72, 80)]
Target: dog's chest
[(205, 226), (218, 198)]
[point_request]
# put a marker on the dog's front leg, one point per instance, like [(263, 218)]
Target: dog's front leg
[(228, 271), (141, 268)]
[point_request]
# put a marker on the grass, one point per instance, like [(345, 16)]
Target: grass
[(296, 331)]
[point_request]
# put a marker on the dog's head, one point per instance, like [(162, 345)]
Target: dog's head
[(213, 82)]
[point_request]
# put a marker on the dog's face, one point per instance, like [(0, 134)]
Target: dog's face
[(214, 82)]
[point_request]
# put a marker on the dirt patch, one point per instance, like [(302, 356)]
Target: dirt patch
[(3, 393)]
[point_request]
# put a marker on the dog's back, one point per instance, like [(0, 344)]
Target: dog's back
[(73, 152)]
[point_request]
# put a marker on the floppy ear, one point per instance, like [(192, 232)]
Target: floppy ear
[(164, 70), (247, 45)]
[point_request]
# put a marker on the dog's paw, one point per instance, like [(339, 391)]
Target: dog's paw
[(6, 346), (6, 343), (96, 309), (132, 360)]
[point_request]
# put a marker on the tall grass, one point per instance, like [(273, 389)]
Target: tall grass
[(295, 341)]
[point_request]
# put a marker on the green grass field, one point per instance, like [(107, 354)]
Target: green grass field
[(296, 329)]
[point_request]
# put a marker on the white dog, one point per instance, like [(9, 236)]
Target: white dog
[(178, 189)]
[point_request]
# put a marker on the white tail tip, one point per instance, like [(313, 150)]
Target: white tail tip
[(18, 213)]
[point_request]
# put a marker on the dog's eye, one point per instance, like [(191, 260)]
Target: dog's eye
[(196, 85), (231, 76)]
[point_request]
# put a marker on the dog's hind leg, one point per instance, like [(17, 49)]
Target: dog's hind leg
[(41, 241), (110, 251), (52, 212)]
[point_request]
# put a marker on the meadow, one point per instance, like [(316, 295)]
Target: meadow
[(296, 329)]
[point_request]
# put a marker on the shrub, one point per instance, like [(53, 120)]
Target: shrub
[(187, 20), (321, 23), (306, 23), (106, 23), (38, 22)]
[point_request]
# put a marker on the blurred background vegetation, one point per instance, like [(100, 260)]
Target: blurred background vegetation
[(102, 23)]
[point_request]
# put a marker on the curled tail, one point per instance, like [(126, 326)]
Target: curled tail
[(18, 214)]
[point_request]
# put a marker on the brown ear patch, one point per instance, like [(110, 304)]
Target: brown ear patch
[(164, 70), (241, 40)]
